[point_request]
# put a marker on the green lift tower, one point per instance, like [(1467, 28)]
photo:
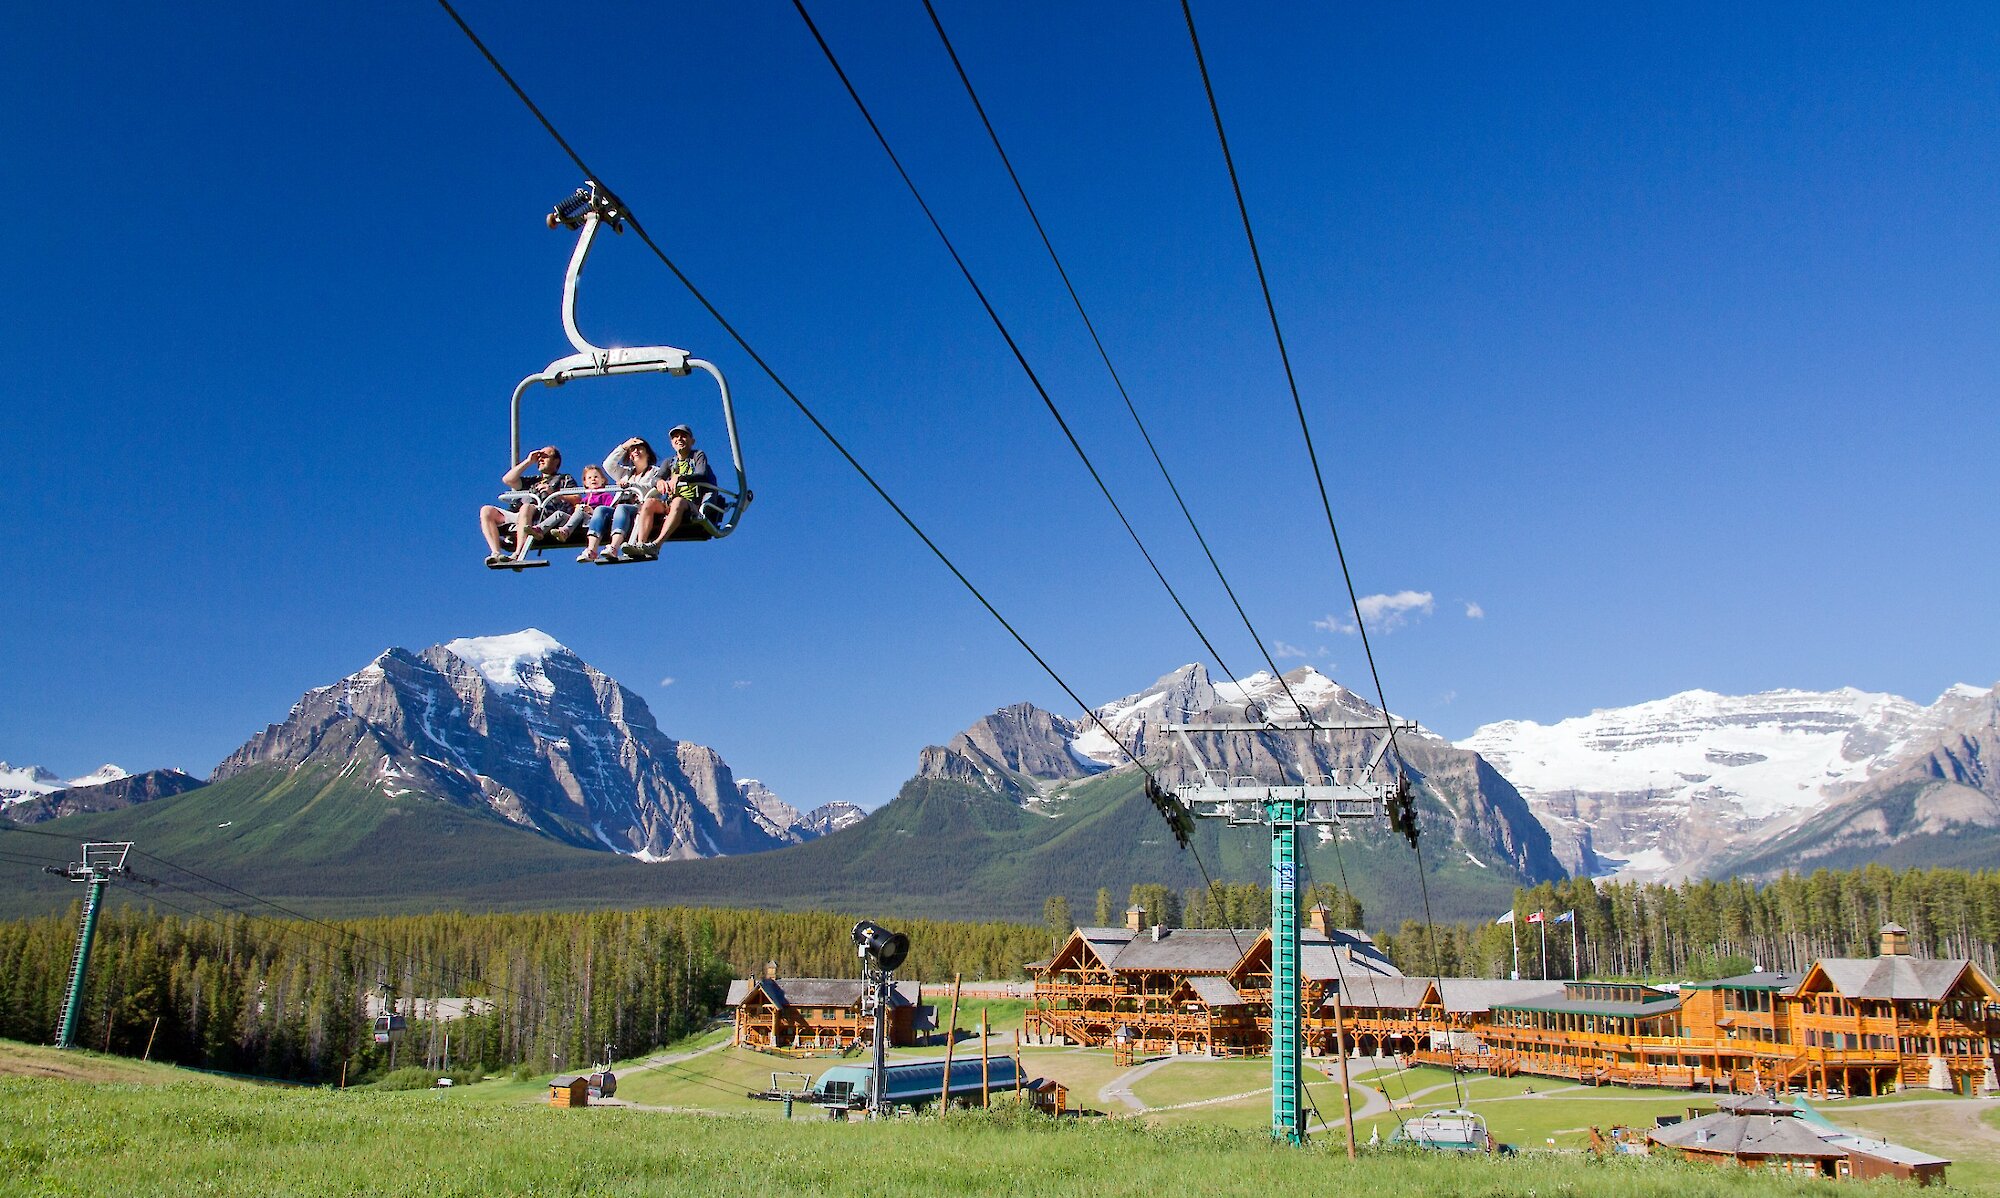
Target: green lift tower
[(1314, 800), (101, 862)]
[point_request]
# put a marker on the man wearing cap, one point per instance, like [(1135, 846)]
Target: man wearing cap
[(681, 486)]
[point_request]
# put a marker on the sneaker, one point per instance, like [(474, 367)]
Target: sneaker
[(588, 555), (496, 560)]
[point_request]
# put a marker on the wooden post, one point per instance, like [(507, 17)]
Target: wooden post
[(148, 1055), (985, 1064), (1340, 1045), (950, 1042)]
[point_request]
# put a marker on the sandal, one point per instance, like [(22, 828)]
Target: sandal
[(495, 559)]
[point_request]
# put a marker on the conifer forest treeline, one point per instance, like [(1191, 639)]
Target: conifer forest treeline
[(295, 999), (1699, 930)]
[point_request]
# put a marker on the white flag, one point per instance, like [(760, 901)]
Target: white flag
[(1507, 918)]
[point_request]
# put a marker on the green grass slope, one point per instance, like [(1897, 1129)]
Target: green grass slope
[(110, 1139)]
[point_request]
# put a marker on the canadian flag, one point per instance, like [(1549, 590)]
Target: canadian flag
[(1534, 917)]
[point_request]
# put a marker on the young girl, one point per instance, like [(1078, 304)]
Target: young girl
[(594, 506)]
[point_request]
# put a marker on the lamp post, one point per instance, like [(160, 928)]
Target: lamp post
[(881, 952)]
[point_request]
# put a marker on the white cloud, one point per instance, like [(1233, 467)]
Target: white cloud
[(1384, 613), (1284, 650), (741, 684), (1473, 611), (669, 681)]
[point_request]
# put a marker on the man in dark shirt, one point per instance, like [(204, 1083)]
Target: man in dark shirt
[(548, 479), (683, 483)]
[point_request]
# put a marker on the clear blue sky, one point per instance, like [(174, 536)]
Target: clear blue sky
[(1667, 338)]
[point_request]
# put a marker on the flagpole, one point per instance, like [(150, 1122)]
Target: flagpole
[(1575, 961), (1514, 930), (1544, 926)]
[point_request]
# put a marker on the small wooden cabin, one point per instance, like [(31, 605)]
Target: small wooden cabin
[(569, 1091)]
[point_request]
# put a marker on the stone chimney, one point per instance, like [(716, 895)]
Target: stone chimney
[(1895, 940), (1135, 918), (1319, 915), (1159, 930), (771, 970)]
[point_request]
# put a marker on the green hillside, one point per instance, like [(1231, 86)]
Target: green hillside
[(941, 849)]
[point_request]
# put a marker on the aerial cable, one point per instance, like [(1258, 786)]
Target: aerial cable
[(1406, 815), (778, 381), (1001, 326), (1291, 380), (1116, 380), (770, 372)]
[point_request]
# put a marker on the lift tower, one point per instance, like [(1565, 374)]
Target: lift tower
[(101, 862), (1314, 800)]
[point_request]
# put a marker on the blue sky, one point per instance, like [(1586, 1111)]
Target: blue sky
[(1666, 339)]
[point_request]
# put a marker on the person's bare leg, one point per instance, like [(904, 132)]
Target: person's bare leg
[(524, 530), (649, 514), (489, 524), (675, 516)]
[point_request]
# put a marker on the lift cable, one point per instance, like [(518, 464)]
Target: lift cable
[(1408, 813), (770, 372), (1116, 380), (1291, 380), (1001, 326)]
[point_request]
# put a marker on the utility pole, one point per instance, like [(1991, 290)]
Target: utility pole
[(101, 862), (1315, 801)]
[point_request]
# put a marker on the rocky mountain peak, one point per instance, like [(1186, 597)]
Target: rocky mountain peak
[(521, 725), (1026, 753)]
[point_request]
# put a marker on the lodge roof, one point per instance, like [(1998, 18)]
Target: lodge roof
[(814, 992), (1210, 950), (1390, 993), (1617, 1010), (1745, 1135), (1883, 1150), (1892, 977), (1765, 980), (1215, 992), (1472, 996)]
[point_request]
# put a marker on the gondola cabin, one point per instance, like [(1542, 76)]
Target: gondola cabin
[(389, 1028)]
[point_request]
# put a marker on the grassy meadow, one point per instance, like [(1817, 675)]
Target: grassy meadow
[(79, 1123)]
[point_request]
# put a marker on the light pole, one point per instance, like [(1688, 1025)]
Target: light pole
[(881, 952)]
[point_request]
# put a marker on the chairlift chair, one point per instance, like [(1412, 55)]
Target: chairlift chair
[(720, 510)]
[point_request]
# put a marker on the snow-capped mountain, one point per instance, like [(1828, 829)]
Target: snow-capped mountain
[(21, 783), (118, 790), (523, 726), (831, 817), (1661, 790), (1029, 754)]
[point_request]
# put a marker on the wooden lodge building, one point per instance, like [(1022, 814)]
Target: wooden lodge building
[(804, 1015), (1847, 1025)]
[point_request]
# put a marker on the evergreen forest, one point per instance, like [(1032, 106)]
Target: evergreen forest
[(295, 999)]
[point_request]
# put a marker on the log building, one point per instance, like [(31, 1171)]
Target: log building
[(1847, 1025)]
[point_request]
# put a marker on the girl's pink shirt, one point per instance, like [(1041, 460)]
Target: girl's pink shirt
[(604, 498)]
